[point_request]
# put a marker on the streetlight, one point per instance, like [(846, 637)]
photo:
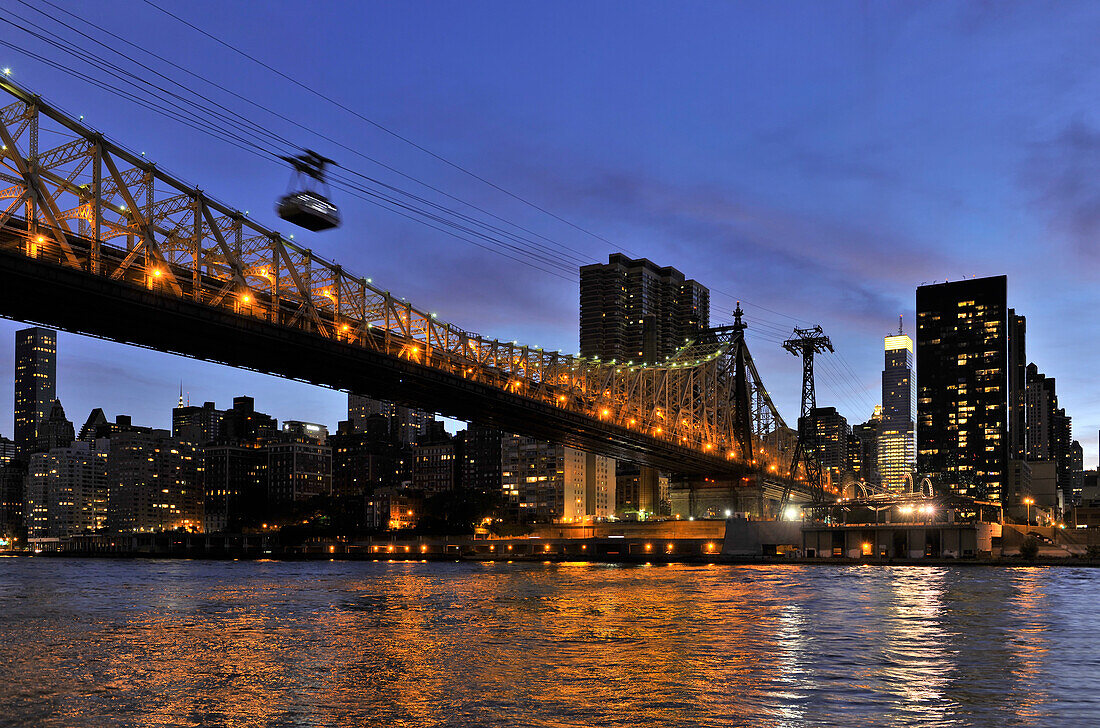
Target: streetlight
[(1029, 501)]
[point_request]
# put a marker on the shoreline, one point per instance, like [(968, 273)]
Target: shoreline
[(654, 560)]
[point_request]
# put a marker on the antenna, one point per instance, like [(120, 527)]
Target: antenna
[(900, 329)]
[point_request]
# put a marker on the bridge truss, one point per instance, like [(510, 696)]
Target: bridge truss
[(87, 203)]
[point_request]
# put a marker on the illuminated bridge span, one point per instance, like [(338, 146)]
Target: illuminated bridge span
[(99, 240)]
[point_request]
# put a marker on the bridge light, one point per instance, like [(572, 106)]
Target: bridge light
[(659, 430), (156, 273), (345, 327), (40, 239), (605, 412), (7, 71), (245, 298), (728, 513), (649, 547)]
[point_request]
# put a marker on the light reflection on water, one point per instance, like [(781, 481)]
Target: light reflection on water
[(166, 643)]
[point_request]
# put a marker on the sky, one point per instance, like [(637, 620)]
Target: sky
[(817, 161)]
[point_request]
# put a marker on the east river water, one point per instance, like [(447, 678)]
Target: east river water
[(202, 643)]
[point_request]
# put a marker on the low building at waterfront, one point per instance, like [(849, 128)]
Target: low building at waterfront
[(905, 526)]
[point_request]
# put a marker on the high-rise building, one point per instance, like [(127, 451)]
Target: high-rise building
[(634, 310), (637, 491), (434, 466), (197, 425), (66, 490), (897, 446), (1077, 470), (867, 434), (962, 386), (297, 469), (12, 477), (1049, 429), (407, 425), (478, 451), (363, 462), (1017, 386), (154, 482), (829, 430), (547, 482), (35, 383), (235, 477), (1041, 404)]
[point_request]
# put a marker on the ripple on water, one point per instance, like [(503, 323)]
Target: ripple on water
[(159, 643)]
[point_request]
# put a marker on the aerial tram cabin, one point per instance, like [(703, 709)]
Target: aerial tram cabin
[(307, 206)]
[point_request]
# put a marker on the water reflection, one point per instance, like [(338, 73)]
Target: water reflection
[(91, 643)]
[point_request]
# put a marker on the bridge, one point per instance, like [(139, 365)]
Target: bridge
[(98, 240)]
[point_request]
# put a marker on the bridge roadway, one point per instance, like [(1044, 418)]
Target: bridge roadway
[(67, 298)]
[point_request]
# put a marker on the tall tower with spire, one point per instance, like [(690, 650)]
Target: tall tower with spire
[(897, 448)]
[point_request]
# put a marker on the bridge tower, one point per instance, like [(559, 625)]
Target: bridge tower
[(741, 411), (806, 343)]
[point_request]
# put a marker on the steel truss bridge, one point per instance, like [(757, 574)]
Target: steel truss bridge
[(98, 240)]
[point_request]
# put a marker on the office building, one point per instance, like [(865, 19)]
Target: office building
[(897, 446), (12, 476), (1049, 429), (547, 483), (299, 463), (35, 383), (478, 451), (407, 425), (434, 466), (962, 386), (634, 310), (865, 466), (363, 462), (154, 482), (197, 425), (66, 490), (1017, 386), (829, 432), (235, 482)]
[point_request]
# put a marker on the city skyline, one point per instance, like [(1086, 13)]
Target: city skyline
[(850, 269)]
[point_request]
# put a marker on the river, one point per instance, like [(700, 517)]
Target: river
[(86, 642)]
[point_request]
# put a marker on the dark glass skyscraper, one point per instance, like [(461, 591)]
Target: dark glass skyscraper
[(962, 385), (35, 383), (634, 310)]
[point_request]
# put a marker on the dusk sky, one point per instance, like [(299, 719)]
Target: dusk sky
[(817, 160)]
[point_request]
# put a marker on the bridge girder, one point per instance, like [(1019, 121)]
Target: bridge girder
[(179, 244)]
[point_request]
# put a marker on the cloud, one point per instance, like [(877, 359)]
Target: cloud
[(1062, 175)]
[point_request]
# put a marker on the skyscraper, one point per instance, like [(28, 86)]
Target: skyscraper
[(962, 385), (897, 430), (633, 310), (1017, 386), (830, 431), (35, 383)]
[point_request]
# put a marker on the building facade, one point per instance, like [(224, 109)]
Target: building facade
[(66, 490), (634, 310), (962, 386), (548, 483), (154, 483), (35, 383), (407, 425), (829, 430), (897, 437)]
